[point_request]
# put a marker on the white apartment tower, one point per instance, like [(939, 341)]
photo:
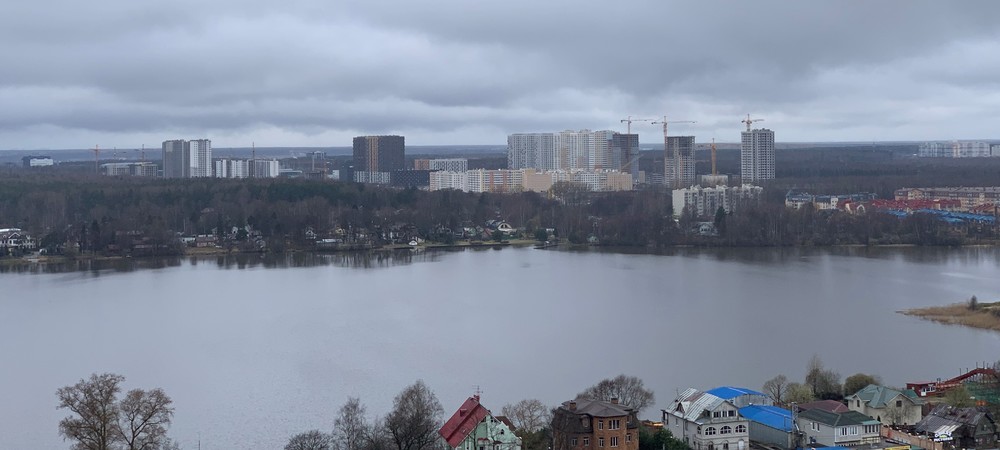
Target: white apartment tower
[(568, 150), (757, 155), (201, 157)]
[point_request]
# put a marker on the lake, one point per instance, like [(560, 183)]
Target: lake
[(253, 350)]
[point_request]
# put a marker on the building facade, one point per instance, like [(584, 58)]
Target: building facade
[(231, 168), (969, 197), (473, 427), (570, 150), (379, 153), (887, 405), (711, 420), (847, 429), (956, 149), (757, 155), (201, 158), (585, 424), (176, 158), (447, 164), (705, 202), (263, 168), (37, 161), (678, 162), (130, 169)]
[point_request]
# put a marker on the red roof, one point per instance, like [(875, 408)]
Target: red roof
[(463, 422)]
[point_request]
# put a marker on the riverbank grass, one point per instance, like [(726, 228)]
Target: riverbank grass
[(971, 314)]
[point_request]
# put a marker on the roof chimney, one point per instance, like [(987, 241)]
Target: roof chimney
[(572, 405), (614, 400)]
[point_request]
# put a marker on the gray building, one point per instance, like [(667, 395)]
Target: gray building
[(379, 153), (678, 162), (757, 155), (176, 159), (845, 429)]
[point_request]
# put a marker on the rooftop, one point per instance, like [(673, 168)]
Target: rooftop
[(772, 416)]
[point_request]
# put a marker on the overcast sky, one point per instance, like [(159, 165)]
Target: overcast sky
[(121, 73)]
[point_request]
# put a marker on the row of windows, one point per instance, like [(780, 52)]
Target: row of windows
[(710, 431), (600, 441), (730, 413)]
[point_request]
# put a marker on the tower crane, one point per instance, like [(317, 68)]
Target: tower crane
[(678, 161), (750, 122), (714, 173), (631, 161)]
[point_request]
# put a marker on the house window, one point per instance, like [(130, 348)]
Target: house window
[(814, 426), (853, 431), (899, 403), (732, 413), (741, 428), (628, 437), (573, 442), (715, 414), (600, 424), (725, 446), (858, 403), (710, 431), (600, 442), (614, 424), (586, 441), (726, 430), (614, 441)]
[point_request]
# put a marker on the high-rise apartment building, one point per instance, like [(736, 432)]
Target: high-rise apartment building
[(678, 162), (446, 164), (201, 157), (176, 159), (757, 155), (625, 154), (571, 150), (379, 153)]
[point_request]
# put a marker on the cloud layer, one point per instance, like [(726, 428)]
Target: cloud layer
[(124, 73)]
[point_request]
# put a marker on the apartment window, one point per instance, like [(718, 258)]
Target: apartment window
[(614, 424), (614, 441), (741, 428), (710, 431), (600, 442), (586, 441), (600, 424), (573, 442), (726, 430)]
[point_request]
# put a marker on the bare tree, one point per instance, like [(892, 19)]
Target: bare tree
[(776, 388), (143, 419), (825, 383), (413, 422), (102, 422), (858, 381), (350, 430), (528, 415), (94, 404), (629, 391), (310, 440), (798, 393)]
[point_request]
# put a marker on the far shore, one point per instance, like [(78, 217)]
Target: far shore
[(984, 316)]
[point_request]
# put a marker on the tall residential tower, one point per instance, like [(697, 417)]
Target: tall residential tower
[(379, 153), (757, 155), (176, 159), (678, 162)]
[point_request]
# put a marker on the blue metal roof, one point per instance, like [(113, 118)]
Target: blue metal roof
[(730, 392), (772, 416)]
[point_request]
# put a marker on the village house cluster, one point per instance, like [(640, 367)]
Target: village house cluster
[(737, 418)]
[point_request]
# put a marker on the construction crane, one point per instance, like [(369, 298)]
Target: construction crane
[(678, 161), (634, 168), (750, 122)]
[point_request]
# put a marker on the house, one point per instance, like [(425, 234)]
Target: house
[(772, 425), (825, 405), (585, 424), (887, 405), (711, 420), (473, 427), (830, 429), (962, 427)]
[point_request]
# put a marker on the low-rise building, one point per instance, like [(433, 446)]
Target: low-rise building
[(961, 427), (473, 427), (969, 197), (37, 161), (130, 169), (585, 424), (830, 429), (16, 238), (711, 420), (887, 405), (771, 425), (704, 202)]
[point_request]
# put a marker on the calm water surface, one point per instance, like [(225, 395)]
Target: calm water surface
[(253, 351)]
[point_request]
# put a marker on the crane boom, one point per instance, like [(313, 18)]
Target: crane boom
[(750, 122)]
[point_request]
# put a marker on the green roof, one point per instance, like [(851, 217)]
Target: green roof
[(879, 396)]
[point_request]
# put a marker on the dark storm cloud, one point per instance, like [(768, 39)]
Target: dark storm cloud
[(315, 73)]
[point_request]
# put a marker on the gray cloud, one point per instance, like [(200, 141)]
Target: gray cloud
[(451, 71)]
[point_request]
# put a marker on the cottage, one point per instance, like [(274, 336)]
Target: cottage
[(585, 424), (473, 427), (887, 405), (711, 420), (846, 429)]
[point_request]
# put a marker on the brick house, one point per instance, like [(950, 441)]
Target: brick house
[(584, 424)]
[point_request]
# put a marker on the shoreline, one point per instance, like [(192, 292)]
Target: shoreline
[(985, 316)]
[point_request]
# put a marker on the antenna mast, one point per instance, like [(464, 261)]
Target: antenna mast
[(714, 173)]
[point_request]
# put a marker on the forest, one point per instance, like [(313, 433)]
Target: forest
[(120, 214)]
